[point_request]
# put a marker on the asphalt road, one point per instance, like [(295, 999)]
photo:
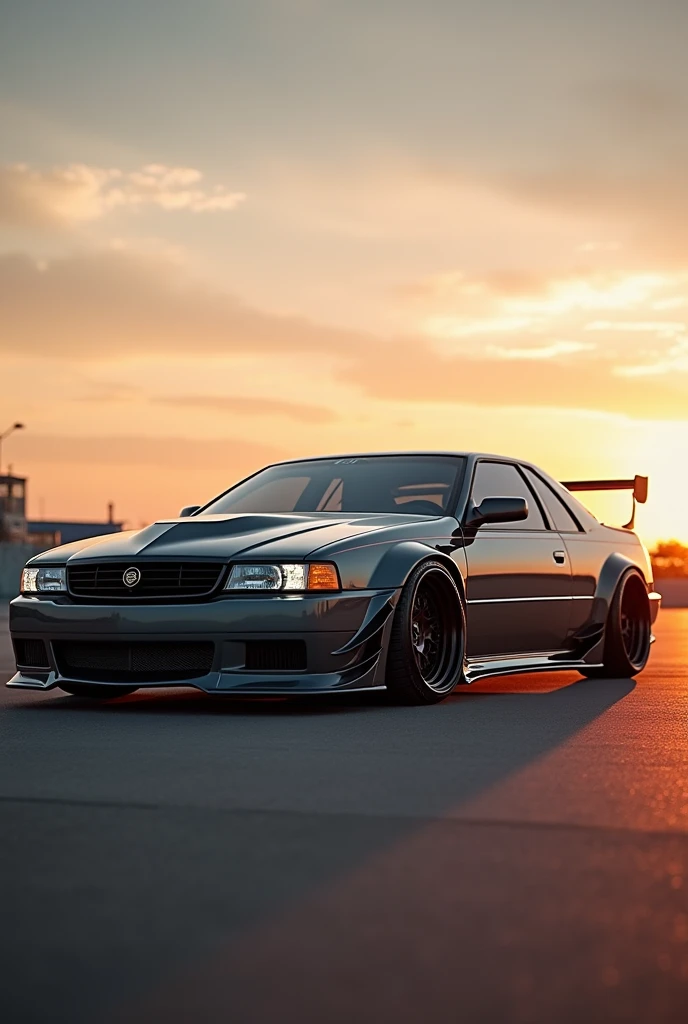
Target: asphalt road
[(518, 853)]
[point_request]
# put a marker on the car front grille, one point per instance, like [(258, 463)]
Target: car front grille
[(157, 580), (136, 661)]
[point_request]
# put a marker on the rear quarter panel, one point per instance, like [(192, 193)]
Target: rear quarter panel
[(598, 559)]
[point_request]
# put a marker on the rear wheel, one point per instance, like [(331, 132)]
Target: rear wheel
[(426, 648), (98, 690), (628, 631)]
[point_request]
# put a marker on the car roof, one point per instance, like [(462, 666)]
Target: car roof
[(419, 451)]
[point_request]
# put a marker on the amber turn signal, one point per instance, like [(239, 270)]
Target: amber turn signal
[(322, 577)]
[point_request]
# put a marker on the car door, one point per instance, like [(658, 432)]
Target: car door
[(586, 555), (519, 578)]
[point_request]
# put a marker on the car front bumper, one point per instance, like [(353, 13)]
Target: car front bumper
[(344, 635)]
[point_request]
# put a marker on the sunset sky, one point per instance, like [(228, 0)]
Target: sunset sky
[(233, 231)]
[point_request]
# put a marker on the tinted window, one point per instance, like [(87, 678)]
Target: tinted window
[(500, 480), (421, 485), (274, 494), (559, 515)]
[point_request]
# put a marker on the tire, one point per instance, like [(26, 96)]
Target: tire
[(427, 641), (627, 632), (97, 690)]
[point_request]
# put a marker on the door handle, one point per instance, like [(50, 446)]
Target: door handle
[(559, 557)]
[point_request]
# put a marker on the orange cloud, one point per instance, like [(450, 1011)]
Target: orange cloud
[(405, 371), (119, 304), (78, 193), (250, 406), (163, 452), (116, 303)]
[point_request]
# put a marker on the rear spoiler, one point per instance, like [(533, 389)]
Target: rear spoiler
[(638, 485)]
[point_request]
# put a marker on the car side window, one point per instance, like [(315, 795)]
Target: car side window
[(503, 480), (559, 515)]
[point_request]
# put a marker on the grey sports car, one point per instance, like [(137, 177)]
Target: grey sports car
[(409, 572)]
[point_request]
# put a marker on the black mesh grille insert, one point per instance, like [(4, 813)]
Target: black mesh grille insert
[(31, 653), (142, 661), (156, 580), (276, 655)]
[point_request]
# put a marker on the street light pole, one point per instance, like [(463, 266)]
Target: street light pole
[(6, 433)]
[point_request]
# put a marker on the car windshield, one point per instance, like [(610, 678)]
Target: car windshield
[(412, 484)]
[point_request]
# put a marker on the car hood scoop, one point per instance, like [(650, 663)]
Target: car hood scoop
[(206, 536), (230, 526), (266, 536)]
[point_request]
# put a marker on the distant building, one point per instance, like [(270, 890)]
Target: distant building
[(52, 532), (55, 531), (49, 533), (12, 508), (42, 533)]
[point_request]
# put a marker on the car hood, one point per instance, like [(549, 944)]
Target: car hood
[(265, 535)]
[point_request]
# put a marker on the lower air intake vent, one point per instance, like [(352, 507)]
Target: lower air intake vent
[(140, 661), (31, 653), (276, 655)]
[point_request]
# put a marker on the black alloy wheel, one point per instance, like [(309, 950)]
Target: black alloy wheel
[(426, 649), (635, 632), (628, 632)]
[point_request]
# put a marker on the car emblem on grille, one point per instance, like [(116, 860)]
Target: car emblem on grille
[(131, 577)]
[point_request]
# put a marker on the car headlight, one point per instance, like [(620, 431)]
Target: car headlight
[(304, 576), (38, 581)]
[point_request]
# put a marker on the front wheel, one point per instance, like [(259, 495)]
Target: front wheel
[(628, 631), (427, 641), (96, 690)]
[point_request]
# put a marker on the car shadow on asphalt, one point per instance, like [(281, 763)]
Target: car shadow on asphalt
[(356, 746), (352, 755)]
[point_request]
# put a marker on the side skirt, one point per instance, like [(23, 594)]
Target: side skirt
[(549, 661)]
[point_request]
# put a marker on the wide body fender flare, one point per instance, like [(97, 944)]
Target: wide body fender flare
[(613, 569), (399, 561)]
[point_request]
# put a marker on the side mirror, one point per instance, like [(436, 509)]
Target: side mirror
[(188, 510), (498, 510)]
